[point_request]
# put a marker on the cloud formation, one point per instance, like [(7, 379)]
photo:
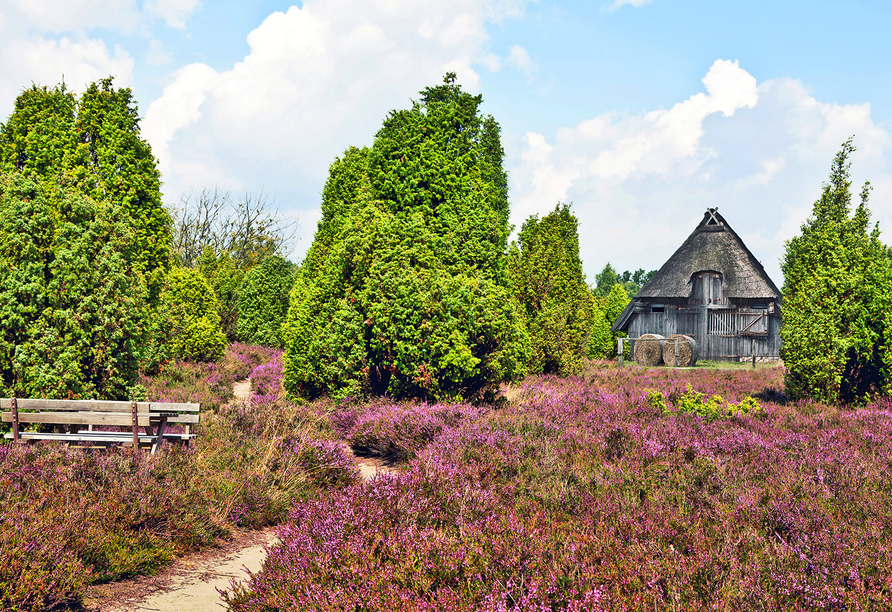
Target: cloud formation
[(636, 3), (47, 61), (317, 78), (640, 183)]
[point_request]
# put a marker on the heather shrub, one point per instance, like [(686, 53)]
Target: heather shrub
[(581, 494), (69, 517), (398, 431)]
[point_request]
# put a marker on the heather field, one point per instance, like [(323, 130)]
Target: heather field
[(620, 489)]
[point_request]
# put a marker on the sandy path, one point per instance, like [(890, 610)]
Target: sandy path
[(189, 584), (242, 389)]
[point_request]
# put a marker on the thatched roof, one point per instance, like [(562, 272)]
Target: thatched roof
[(712, 246)]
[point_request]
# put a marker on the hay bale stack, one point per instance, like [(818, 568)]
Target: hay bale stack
[(687, 351), (648, 350)]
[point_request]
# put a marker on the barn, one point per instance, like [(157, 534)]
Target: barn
[(715, 290)]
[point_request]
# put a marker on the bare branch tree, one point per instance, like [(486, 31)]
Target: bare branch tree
[(247, 229)]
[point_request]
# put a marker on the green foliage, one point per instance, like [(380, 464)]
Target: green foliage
[(402, 290), (546, 277), (263, 302), (93, 143), (190, 317), (837, 291), (71, 303), (225, 279), (631, 281), (604, 281), (602, 342), (709, 409)]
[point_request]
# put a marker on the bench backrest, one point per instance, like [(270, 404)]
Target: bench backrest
[(182, 413)]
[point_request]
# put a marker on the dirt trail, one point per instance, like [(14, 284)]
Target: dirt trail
[(190, 583), (242, 389)]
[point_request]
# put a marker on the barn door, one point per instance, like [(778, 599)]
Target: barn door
[(753, 322)]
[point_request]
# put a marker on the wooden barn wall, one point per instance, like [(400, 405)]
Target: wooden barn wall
[(683, 320)]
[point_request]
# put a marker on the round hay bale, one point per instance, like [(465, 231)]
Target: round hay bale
[(687, 351), (648, 350)]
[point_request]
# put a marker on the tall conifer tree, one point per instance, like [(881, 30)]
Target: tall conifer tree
[(836, 298), (403, 291)]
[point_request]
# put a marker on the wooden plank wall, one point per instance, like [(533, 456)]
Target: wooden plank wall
[(688, 321)]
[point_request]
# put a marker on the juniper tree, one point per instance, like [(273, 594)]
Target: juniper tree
[(837, 291), (403, 292), (546, 278)]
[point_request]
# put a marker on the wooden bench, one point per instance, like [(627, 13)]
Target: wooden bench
[(70, 416)]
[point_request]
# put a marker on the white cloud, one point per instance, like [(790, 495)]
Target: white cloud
[(58, 16), (174, 12), (43, 61), (640, 183), (520, 59), (636, 3), (318, 78)]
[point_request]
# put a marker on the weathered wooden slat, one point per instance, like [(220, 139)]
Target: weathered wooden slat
[(173, 407), (73, 405), (99, 436), (97, 405), (79, 418), (184, 418)]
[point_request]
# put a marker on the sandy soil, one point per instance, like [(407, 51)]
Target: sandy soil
[(190, 583), (242, 389)]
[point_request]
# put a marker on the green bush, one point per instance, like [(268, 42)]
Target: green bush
[(837, 331), (189, 311), (602, 342), (403, 291), (263, 302), (547, 280), (72, 306), (225, 279)]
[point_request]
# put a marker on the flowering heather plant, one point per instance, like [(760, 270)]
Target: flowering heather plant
[(70, 517), (398, 431), (582, 495), (266, 381)]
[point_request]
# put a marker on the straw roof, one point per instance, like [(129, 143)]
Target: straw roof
[(712, 246)]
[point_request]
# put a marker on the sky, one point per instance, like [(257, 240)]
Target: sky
[(639, 113)]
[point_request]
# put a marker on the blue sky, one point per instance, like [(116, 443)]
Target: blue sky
[(641, 114)]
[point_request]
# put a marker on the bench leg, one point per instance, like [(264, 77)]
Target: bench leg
[(159, 436)]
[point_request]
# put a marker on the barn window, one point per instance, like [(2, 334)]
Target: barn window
[(760, 306), (657, 307)]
